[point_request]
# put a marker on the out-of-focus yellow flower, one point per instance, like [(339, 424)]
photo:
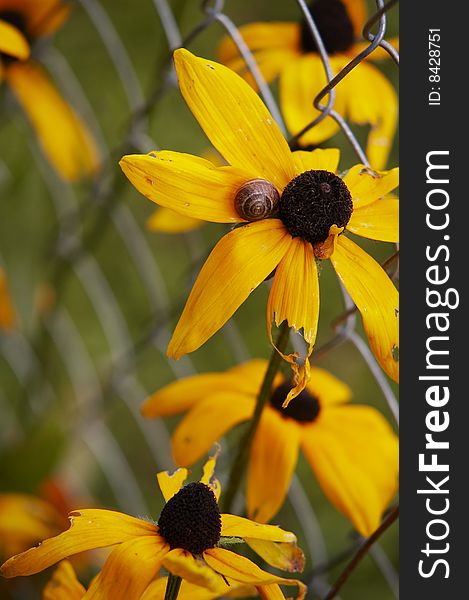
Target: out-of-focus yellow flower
[(288, 50), (63, 136), (298, 206), (187, 541), (7, 312), (351, 449)]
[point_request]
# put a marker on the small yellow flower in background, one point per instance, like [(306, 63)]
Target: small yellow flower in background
[(297, 205), (64, 138), (288, 50), (352, 450), (64, 585), (186, 541), (7, 312)]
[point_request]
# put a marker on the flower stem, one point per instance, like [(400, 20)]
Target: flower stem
[(172, 587), (239, 465)]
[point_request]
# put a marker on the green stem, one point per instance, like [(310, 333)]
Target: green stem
[(239, 465), (172, 587)]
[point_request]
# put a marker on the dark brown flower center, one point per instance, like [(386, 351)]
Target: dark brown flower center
[(304, 408), (313, 202), (334, 25), (191, 519)]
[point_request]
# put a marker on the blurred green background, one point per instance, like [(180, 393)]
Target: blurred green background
[(76, 416)]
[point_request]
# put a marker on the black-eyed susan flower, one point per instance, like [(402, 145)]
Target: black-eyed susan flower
[(287, 50), (352, 450), (64, 585), (187, 541), (7, 311), (64, 138), (297, 207)]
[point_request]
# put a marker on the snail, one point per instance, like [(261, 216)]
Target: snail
[(256, 199)]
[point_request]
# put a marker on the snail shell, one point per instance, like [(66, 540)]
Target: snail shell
[(256, 199)]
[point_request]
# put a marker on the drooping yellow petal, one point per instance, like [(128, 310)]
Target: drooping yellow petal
[(328, 389), (7, 312), (64, 138), (294, 298), (267, 36), (300, 82), (63, 585), (207, 422), (376, 298), (234, 118), (189, 185), (367, 185), (372, 100), (270, 592), (281, 555), (243, 570), (13, 42), (378, 220), (188, 591), (129, 569), (44, 17), (274, 454), (234, 526), (171, 483), (165, 220), (182, 563), (326, 159), (89, 529), (357, 11), (240, 261), (208, 476), (179, 396), (354, 454)]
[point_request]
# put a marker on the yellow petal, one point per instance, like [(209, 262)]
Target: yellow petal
[(234, 118), (320, 159), (367, 185), (372, 100), (294, 298), (165, 220), (354, 454), (208, 476), (376, 298), (243, 570), (328, 389), (170, 484), (190, 185), (270, 592), (89, 528), (129, 569), (281, 555), (300, 83), (7, 312), (274, 454), (181, 395), (63, 136), (207, 422), (13, 42), (358, 14), (234, 526), (188, 591), (46, 16), (240, 262), (268, 36), (182, 563), (378, 220), (63, 585)]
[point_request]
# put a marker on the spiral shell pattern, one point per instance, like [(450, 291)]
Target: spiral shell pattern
[(256, 199)]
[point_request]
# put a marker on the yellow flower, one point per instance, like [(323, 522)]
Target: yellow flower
[(310, 206), (351, 449), (63, 137), (64, 585), (7, 312), (288, 50), (187, 541)]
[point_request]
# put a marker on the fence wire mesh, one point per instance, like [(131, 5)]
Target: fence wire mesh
[(105, 373)]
